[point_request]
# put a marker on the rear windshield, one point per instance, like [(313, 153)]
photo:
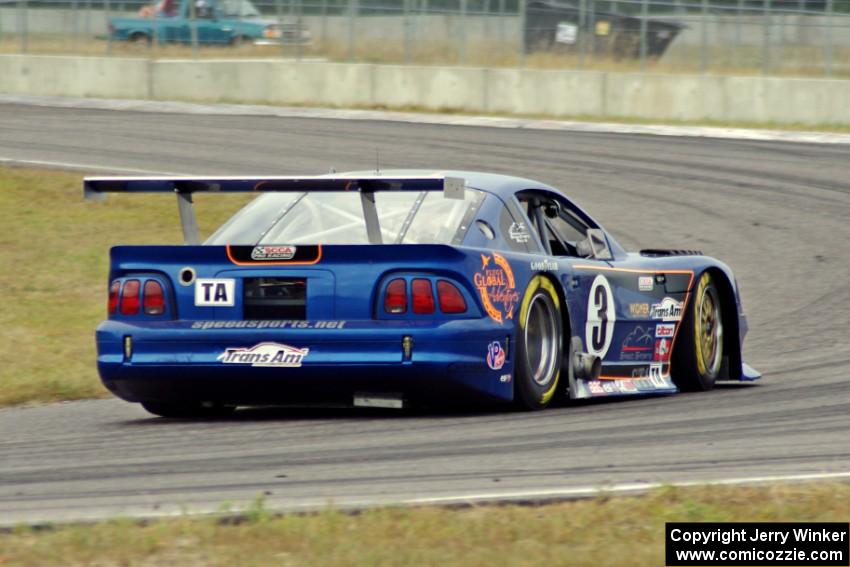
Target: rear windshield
[(425, 217)]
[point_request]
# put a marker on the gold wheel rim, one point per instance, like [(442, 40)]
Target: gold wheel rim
[(709, 331)]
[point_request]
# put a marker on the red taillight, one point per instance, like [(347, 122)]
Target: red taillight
[(423, 297), (154, 298), (451, 299), (113, 296), (130, 298), (395, 299)]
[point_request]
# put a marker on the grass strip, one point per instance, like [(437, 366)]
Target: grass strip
[(601, 531), (54, 251)]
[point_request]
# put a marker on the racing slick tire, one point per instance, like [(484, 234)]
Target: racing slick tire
[(698, 359), (188, 410), (537, 366)]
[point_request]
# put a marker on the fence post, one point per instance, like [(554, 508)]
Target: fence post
[(324, 24), (522, 24), (739, 16), (765, 40), (352, 15), (827, 48), (405, 22), (502, 20), (75, 28), (299, 47), (88, 17), (278, 8), (644, 14), (703, 52), (23, 24), (581, 36), (461, 52), (106, 10), (193, 28)]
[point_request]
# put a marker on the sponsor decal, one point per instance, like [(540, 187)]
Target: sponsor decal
[(595, 387), (212, 292), (519, 233), (505, 378), (601, 316), (609, 388), (640, 372), (668, 310), (627, 386), (644, 385), (645, 283), (495, 355), (496, 286), (265, 355), (639, 310), (545, 266), (265, 253), (656, 376), (662, 351), (665, 330), (281, 324), (274, 254), (637, 346)]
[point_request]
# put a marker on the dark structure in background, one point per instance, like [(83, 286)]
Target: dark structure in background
[(561, 27)]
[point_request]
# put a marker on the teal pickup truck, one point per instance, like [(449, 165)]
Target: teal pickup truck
[(218, 22)]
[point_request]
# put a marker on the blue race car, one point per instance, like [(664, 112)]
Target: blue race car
[(382, 290)]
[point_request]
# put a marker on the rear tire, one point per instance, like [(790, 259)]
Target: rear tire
[(697, 360), (188, 410), (537, 365)]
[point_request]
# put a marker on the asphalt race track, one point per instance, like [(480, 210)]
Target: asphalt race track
[(777, 212)]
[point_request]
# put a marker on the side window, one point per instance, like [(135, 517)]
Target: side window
[(551, 217), (568, 227)]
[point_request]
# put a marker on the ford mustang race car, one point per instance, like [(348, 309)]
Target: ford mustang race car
[(383, 290)]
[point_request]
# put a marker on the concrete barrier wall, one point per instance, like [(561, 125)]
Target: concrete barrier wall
[(471, 90)]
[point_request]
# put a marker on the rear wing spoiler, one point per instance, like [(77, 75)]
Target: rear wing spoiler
[(95, 189)]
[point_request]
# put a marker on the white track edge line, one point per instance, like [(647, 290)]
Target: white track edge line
[(619, 488), (179, 107)]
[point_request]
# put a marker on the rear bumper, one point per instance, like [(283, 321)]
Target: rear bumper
[(172, 362)]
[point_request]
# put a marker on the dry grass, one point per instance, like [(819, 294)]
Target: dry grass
[(786, 60), (627, 531), (54, 250)]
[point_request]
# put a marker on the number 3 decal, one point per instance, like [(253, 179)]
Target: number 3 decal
[(601, 316)]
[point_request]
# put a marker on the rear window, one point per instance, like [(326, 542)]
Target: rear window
[(425, 217)]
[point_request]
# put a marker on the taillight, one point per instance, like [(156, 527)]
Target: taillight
[(113, 296), (130, 298), (423, 297), (451, 299), (395, 299), (154, 302)]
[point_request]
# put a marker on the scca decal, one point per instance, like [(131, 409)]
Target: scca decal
[(278, 254), (496, 286)]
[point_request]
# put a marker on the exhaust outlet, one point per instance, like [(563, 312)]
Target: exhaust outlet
[(587, 366)]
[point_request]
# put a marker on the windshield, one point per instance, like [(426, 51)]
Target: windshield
[(425, 217), (237, 9)]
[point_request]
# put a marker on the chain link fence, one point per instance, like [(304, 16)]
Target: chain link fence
[(771, 37)]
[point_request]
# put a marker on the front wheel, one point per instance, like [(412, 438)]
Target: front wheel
[(697, 361), (188, 410), (539, 345)]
